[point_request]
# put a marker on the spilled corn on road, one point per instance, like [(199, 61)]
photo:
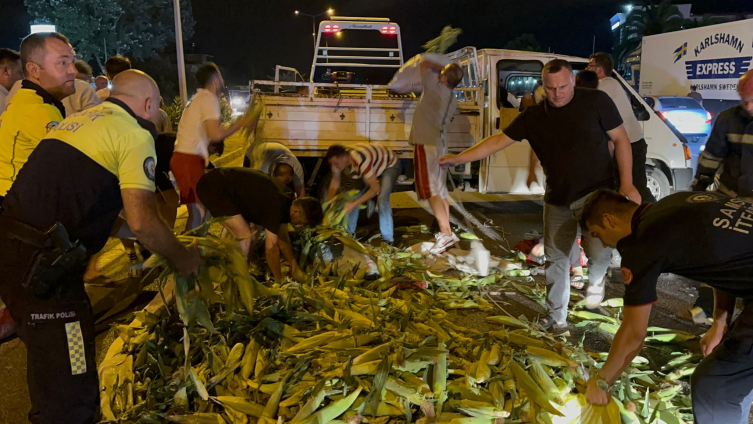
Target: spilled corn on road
[(513, 214)]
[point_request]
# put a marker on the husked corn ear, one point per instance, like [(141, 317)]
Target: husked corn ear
[(372, 354), (241, 405), (548, 357), (532, 389), (248, 362), (495, 355), (521, 340), (235, 354), (506, 321), (545, 383), (334, 410), (313, 342), (481, 409), (417, 384)]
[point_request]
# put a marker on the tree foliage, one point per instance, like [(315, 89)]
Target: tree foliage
[(99, 29), (524, 42), (651, 18)]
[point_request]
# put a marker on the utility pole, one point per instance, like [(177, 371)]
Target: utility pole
[(593, 49), (181, 57)]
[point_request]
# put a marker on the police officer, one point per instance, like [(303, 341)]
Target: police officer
[(109, 158), (728, 149), (653, 238), (730, 146), (47, 60)]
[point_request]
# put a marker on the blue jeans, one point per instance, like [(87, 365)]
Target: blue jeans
[(386, 182)]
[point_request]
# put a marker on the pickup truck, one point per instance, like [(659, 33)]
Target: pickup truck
[(346, 100)]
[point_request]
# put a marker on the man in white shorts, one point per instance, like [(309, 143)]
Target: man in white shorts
[(429, 138)]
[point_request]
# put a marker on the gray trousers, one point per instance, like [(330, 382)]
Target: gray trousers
[(722, 385), (560, 230)]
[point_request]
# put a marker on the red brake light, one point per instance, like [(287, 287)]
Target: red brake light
[(708, 117), (327, 28), (389, 30)]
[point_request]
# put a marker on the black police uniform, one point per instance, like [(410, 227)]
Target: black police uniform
[(731, 145), (74, 177), (705, 237)]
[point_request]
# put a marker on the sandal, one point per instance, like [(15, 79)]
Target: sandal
[(577, 282), (549, 324)]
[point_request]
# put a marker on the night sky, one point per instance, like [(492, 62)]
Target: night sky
[(248, 37)]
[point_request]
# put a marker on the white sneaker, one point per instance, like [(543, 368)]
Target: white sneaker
[(443, 243), (595, 295)]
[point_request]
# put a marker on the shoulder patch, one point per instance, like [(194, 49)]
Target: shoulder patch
[(707, 197), (627, 276), (52, 125), (150, 168)]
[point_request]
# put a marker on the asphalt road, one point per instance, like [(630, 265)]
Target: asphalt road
[(504, 218)]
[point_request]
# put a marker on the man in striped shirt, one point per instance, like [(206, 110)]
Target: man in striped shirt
[(379, 168)]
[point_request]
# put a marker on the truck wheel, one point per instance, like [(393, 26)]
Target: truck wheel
[(657, 182)]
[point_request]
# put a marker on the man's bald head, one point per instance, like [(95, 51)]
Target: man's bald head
[(137, 90)]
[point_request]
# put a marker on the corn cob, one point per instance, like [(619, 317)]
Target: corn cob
[(532, 390), (547, 357)]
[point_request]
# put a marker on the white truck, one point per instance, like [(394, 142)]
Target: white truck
[(355, 106), (709, 59)]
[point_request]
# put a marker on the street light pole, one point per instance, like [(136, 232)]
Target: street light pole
[(329, 11), (179, 51)]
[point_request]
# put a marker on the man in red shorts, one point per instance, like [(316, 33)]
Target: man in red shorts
[(429, 138), (199, 126)]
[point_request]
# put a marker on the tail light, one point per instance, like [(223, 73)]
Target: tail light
[(331, 29), (391, 30), (708, 117), (687, 151)]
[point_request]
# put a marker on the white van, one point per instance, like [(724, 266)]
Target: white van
[(515, 72)]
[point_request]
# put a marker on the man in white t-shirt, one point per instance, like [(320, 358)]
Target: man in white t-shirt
[(85, 95), (602, 64), (198, 127), (10, 73)]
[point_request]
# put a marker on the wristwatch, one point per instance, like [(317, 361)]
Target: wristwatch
[(602, 384)]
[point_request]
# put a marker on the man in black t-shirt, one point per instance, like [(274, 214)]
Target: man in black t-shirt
[(248, 196), (569, 132), (702, 236)]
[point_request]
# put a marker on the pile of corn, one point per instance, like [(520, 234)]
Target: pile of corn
[(341, 349)]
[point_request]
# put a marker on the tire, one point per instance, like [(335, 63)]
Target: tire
[(657, 182)]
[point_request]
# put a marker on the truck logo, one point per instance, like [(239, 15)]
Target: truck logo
[(729, 68), (681, 51), (720, 38)]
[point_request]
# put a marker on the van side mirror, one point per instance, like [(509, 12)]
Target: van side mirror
[(639, 110)]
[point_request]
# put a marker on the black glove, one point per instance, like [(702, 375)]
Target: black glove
[(701, 183)]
